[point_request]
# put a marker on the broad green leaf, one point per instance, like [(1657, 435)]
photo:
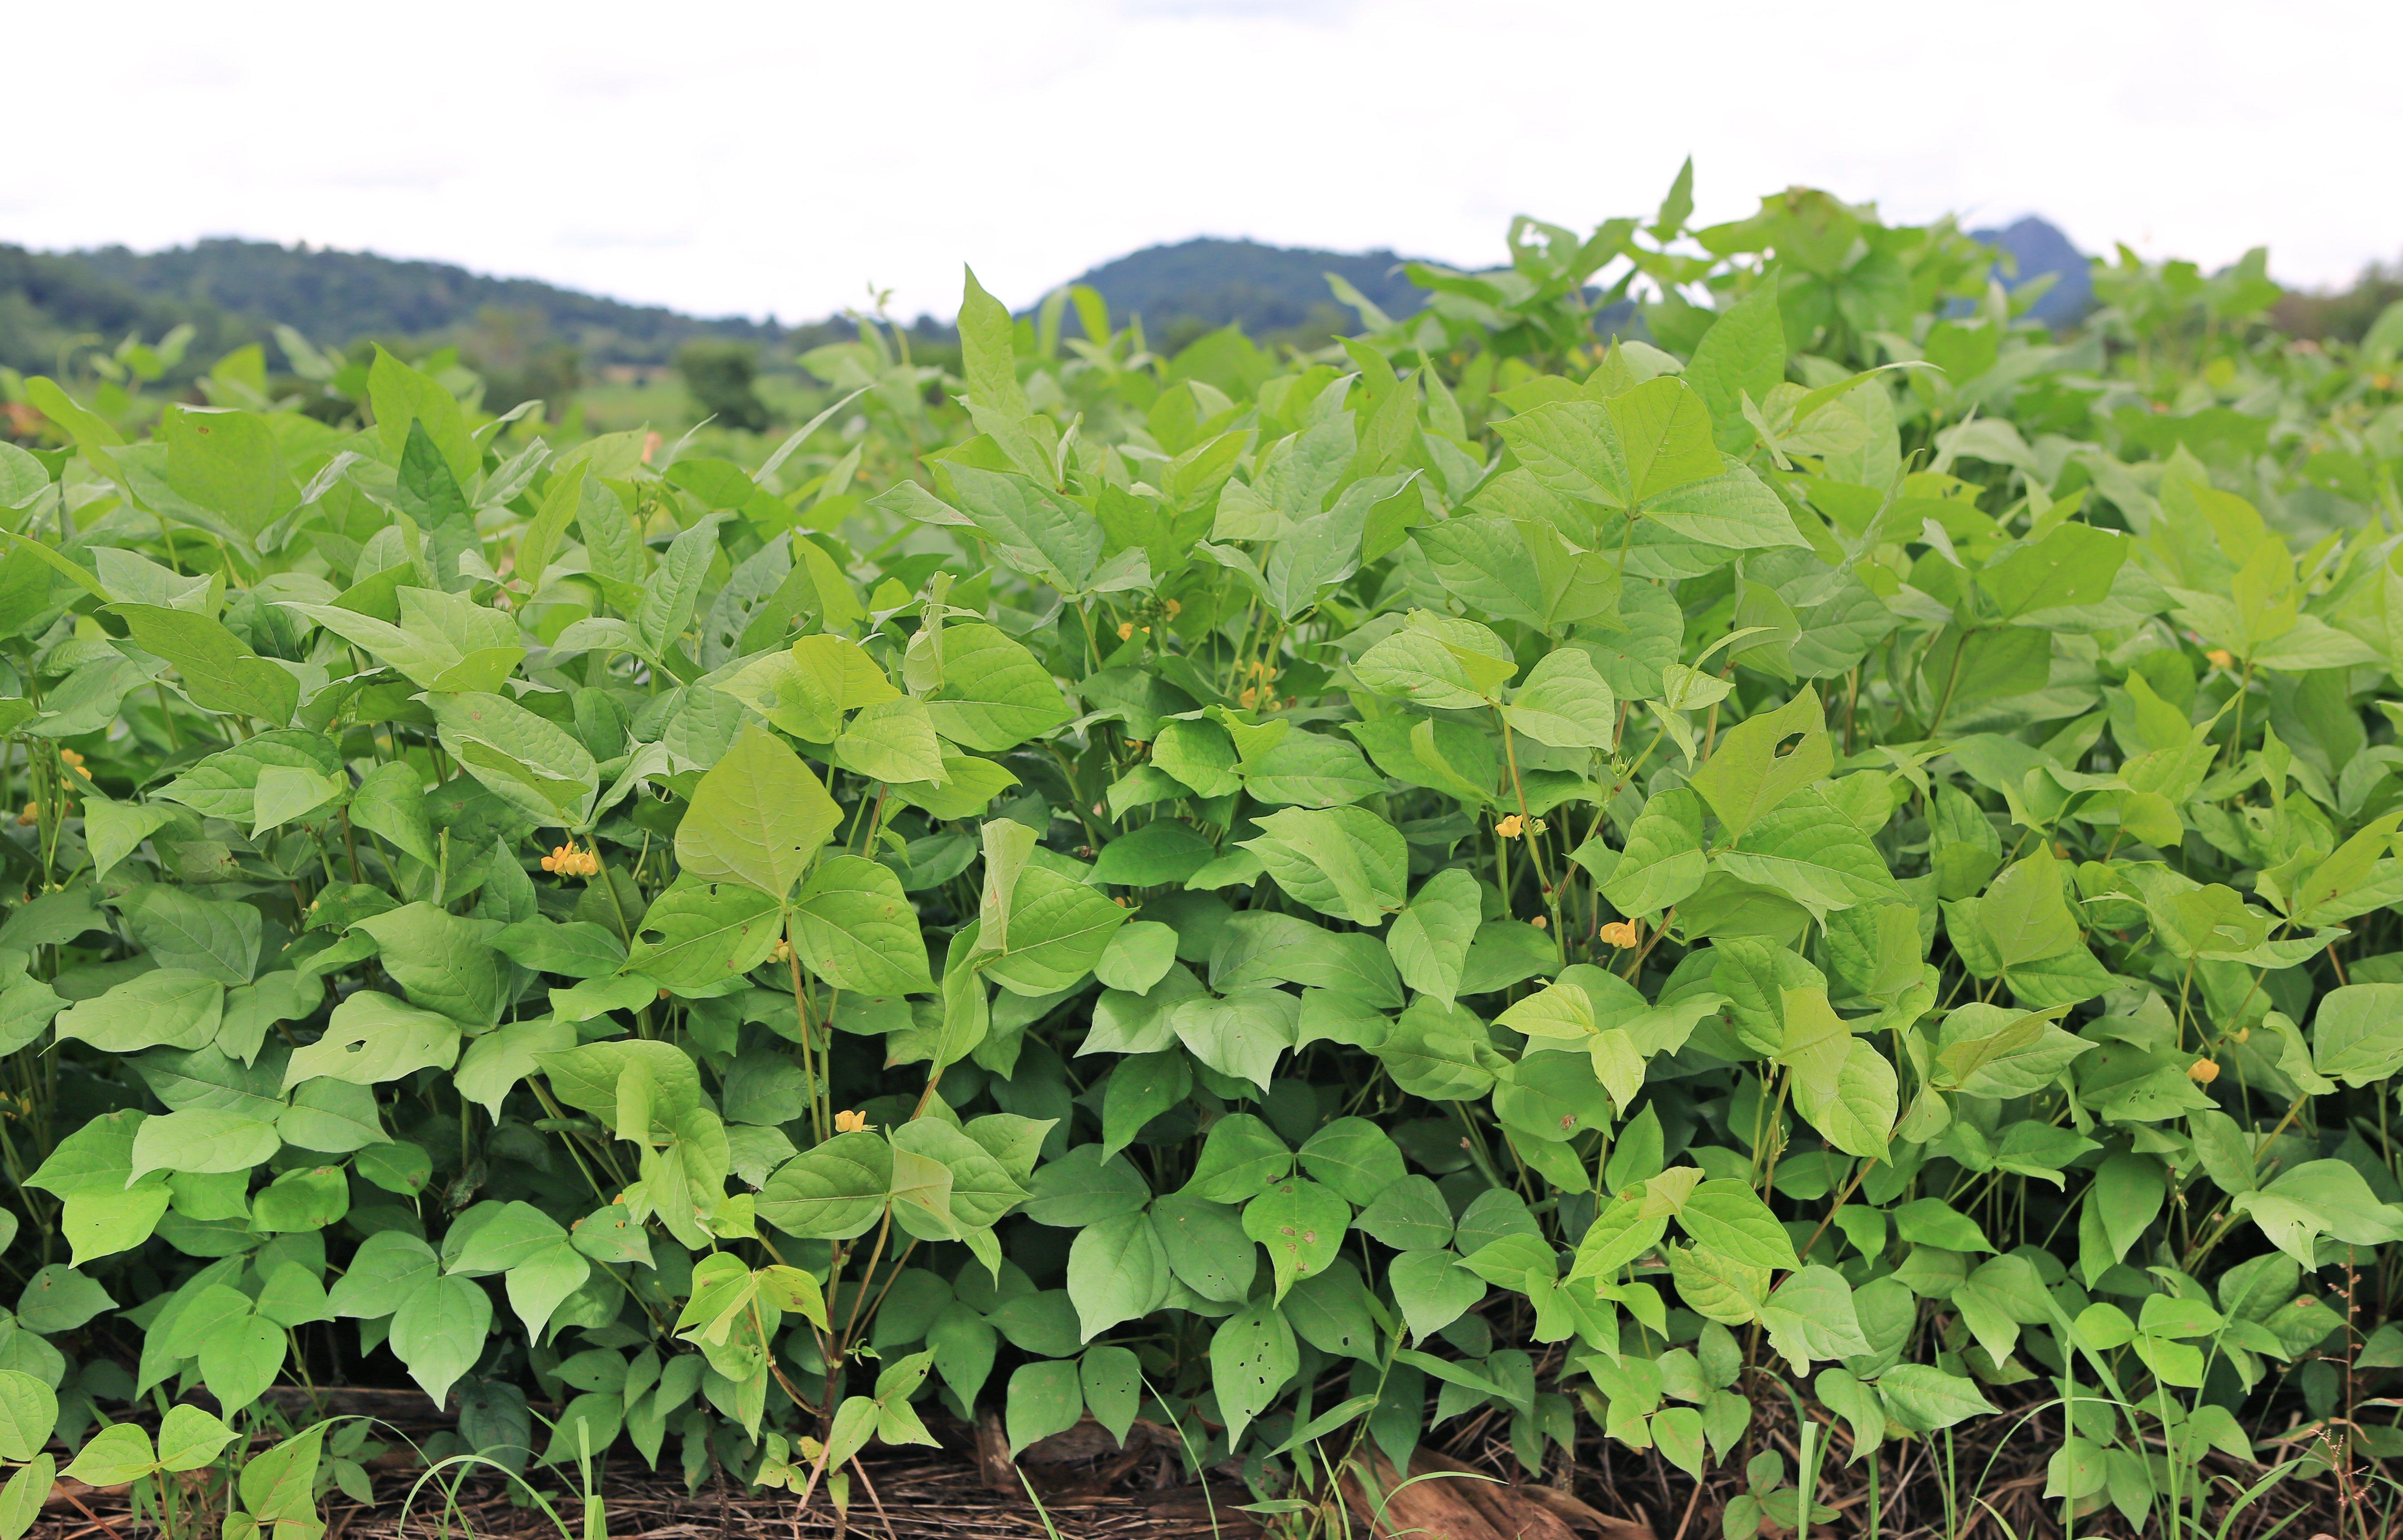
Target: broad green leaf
[(1112, 1382), (219, 671), (1139, 955), (1252, 1356), (201, 1139), (1312, 771), (854, 928), (1043, 1398), (1303, 1226), (170, 1007), (675, 588), (1240, 1157), (1662, 863), (1341, 861), (1987, 1050), (1808, 851), (29, 1410), (390, 801), (832, 1192), (372, 1038), (1856, 1114), (1241, 1035), (115, 830), (700, 932), (1521, 570), (1118, 1271), (1264, 946), (1140, 1089), (1161, 852), (1751, 773), (1727, 1217), (1443, 1053), (1926, 1400), (1436, 661), (1430, 937), (1665, 431), (1032, 529), (1410, 1215), (526, 760), (1433, 1290), (982, 1189), (400, 396), (994, 695), (438, 1331), (185, 931), (2357, 1035), (440, 962), (1084, 1187), (894, 740), (2024, 916), (1572, 448), (1743, 353), (58, 1299), (1199, 755), (1354, 1157), (117, 1453), (1058, 929), (2072, 565), (1565, 704), (1733, 511)]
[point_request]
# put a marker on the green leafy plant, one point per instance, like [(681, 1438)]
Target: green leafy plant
[(1835, 862)]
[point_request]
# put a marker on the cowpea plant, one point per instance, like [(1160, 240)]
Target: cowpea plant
[(1840, 852)]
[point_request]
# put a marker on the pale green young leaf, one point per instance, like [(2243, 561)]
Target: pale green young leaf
[(757, 817), (1747, 776)]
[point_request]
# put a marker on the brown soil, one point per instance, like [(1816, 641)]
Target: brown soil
[(1467, 1486)]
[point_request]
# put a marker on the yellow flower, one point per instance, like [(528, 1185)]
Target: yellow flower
[(850, 1122), (2220, 657), (567, 861), (2202, 1072), (1126, 630), (1620, 934), (1540, 922), (781, 951), (31, 815), (1510, 827)]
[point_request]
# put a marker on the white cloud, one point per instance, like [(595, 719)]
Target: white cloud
[(740, 157)]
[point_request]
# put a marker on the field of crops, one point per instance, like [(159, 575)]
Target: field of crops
[(1790, 921)]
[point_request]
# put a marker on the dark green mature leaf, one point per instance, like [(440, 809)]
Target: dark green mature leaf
[(219, 672)]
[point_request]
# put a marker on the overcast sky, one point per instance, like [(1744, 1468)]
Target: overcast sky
[(725, 157)]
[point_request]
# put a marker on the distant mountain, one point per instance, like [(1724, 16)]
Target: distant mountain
[(237, 291), (1209, 282), (337, 295), (49, 303), (2038, 247)]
